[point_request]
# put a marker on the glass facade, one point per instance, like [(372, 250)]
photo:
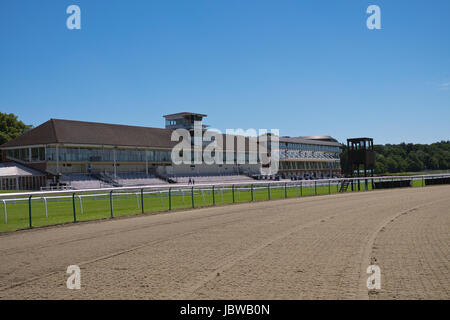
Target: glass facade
[(293, 156), (37, 154), (107, 155)]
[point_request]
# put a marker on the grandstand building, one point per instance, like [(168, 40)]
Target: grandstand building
[(89, 155), (315, 156)]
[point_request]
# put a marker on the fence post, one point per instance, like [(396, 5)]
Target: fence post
[(422, 181), (142, 200), (232, 191), (111, 203), (251, 190), (285, 190), (214, 196), (329, 186), (74, 210), (315, 187), (6, 214), (192, 196), (170, 198), (268, 190), (301, 188), (29, 211)]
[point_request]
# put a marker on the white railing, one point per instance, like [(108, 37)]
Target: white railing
[(256, 182), (53, 188), (167, 192)]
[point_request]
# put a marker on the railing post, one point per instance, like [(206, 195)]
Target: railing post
[(142, 200), (232, 191), (285, 190), (329, 186), (268, 190), (214, 196), (29, 211), (170, 198), (111, 203), (251, 190), (422, 181), (301, 188), (74, 208), (192, 196), (315, 187)]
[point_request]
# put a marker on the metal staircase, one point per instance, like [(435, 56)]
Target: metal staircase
[(344, 185)]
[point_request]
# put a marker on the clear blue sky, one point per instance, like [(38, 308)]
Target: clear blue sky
[(304, 67)]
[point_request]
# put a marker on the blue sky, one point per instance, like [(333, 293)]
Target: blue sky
[(304, 67)]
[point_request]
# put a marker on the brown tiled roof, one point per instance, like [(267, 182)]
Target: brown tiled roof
[(92, 133), (42, 134)]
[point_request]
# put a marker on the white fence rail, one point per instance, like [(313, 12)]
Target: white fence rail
[(186, 193)]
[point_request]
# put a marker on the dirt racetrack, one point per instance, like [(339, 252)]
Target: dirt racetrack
[(304, 248)]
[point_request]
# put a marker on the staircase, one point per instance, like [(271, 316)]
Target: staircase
[(164, 177), (106, 178), (344, 185)]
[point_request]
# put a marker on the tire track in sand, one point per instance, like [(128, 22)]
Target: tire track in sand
[(233, 260), (368, 256)]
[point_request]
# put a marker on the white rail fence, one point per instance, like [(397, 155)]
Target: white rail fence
[(166, 192)]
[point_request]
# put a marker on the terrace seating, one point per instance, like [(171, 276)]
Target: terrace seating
[(214, 179), (138, 179), (80, 181), (86, 181)]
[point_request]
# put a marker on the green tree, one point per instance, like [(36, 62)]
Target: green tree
[(11, 127), (414, 164), (391, 165)]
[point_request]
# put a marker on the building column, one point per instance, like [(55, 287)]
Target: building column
[(57, 159), (115, 165), (17, 183), (146, 163)]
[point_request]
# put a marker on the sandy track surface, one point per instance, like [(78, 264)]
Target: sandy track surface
[(306, 248)]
